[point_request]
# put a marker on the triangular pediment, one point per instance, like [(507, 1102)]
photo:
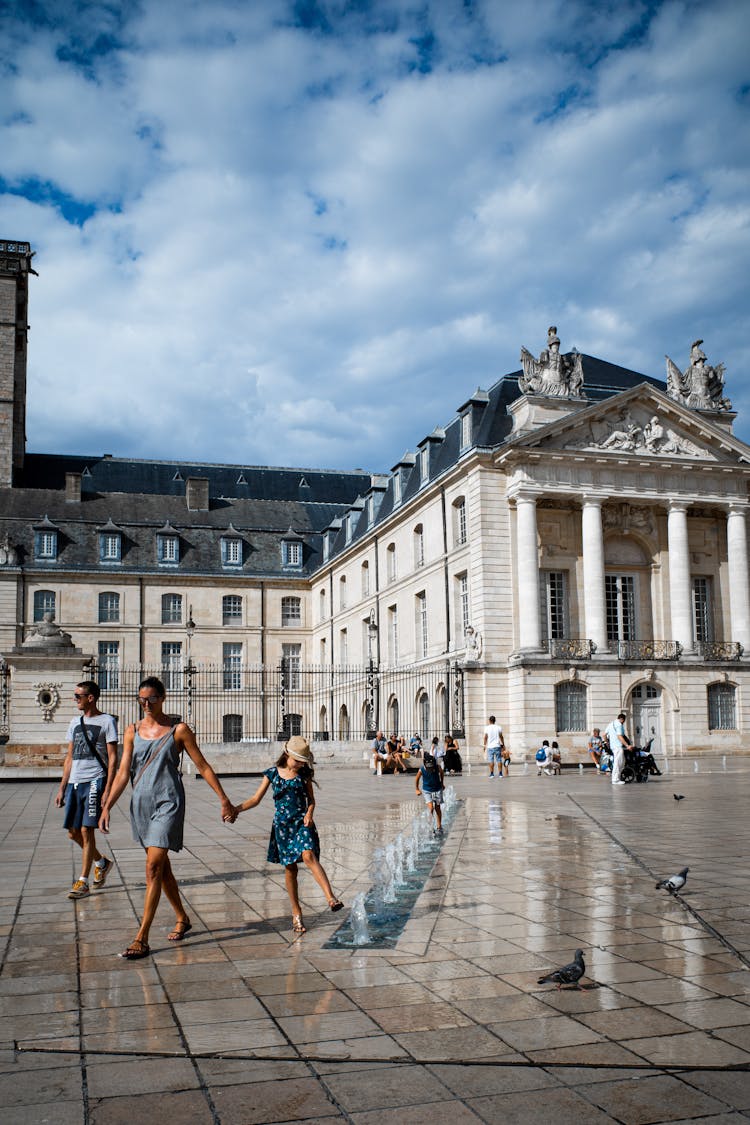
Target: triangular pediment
[(641, 423)]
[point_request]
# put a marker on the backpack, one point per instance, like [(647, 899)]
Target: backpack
[(541, 755)]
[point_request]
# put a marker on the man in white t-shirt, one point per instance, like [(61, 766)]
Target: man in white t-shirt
[(618, 744), (88, 771), (494, 745)]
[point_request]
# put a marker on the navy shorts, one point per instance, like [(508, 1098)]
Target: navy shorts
[(83, 803)]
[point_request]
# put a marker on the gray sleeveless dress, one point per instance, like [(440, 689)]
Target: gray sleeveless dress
[(157, 807)]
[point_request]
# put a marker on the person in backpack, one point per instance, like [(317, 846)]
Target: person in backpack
[(88, 771), (430, 776)]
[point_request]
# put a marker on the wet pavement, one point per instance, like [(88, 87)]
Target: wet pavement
[(242, 1022)]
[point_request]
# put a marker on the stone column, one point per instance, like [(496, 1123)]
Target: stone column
[(739, 602), (680, 592), (527, 564), (594, 604)]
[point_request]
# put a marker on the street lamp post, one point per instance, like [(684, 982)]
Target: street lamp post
[(373, 694), (189, 668)]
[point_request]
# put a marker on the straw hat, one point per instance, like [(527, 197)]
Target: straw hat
[(299, 748)]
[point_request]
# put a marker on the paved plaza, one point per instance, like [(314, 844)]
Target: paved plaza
[(243, 1022)]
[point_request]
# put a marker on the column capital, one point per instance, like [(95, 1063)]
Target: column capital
[(523, 494), (592, 500), (674, 505), (738, 508)]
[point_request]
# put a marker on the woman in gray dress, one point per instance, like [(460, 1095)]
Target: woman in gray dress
[(151, 756)]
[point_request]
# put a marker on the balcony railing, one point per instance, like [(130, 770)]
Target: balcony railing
[(571, 648), (719, 650), (649, 650)]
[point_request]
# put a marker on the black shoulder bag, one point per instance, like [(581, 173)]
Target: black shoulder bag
[(92, 747)]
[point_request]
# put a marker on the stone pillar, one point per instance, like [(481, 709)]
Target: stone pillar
[(594, 603), (739, 602), (680, 592), (527, 566)]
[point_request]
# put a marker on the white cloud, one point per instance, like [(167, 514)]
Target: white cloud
[(309, 245)]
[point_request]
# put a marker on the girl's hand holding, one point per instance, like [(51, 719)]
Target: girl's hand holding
[(229, 812), (308, 818)]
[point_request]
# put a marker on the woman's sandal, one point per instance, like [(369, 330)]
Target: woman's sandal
[(335, 904), (136, 950), (180, 930), (298, 926)]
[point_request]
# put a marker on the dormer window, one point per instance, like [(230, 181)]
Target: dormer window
[(396, 489), (110, 546), (291, 552), (466, 430), (370, 511), (231, 550), (45, 545), (349, 527), (168, 548), (424, 464)]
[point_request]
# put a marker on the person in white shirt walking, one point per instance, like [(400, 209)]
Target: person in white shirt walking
[(494, 745), (618, 744)]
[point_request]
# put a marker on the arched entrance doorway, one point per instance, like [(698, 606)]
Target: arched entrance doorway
[(645, 703)]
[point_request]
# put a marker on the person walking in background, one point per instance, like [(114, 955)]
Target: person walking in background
[(494, 744), (294, 836), (595, 747), (88, 771), (618, 744), (430, 778), (151, 757)]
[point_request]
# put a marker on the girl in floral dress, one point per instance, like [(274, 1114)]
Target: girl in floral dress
[(293, 833)]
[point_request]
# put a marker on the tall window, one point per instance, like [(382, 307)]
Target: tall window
[(722, 709), (343, 647), (418, 546), (421, 623), (291, 658), (424, 464), (466, 430), (459, 521), (110, 546), (462, 592), (109, 607), (570, 706), (396, 489), (702, 617), (554, 604), (171, 609), (393, 634), (44, 602), (45, 545), (291, 612), (323, 611), (231, 609), (231, 663), (342, 592), (109, 665), (168, 549), (171, 664), (390, 556), (365, 573), (620, 598), (231, 551), (323, 651), (231, 728)]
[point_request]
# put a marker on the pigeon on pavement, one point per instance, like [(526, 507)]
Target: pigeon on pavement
[(679, 796), (568, 974), (674, 882)]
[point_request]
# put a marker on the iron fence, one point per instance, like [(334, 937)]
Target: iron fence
[(260, 702)]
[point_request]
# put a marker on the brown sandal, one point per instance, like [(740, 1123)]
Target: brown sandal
[(298, 926), (136, 950), (335, 904), (180, 930)]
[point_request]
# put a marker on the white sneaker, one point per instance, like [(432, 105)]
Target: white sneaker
[(618, 782)]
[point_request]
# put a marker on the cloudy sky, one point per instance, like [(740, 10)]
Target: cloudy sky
[(279, 232)]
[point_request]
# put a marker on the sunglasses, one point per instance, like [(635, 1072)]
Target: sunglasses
[(80, 695), (149, 700)]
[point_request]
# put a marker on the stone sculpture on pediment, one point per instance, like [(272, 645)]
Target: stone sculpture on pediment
[(552, 375), (700, 385), (473, 643), (627, 434), (8, 553)]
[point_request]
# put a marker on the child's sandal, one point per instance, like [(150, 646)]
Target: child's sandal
[(298, 926), (334, 905)]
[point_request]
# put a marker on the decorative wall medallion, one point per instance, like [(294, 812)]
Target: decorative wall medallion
[(48, 699)]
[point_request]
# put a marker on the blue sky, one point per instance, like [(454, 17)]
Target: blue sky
[(302, 233)]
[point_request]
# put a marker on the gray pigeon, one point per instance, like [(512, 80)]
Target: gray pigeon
[(568, 974), (675, 882)]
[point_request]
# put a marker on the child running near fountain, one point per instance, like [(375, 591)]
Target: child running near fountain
[(430, 776), (293, 833)]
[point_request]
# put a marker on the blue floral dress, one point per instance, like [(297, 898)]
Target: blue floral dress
[(289, 836)]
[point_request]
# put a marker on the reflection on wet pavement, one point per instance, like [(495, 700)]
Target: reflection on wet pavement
[(449, 1016)]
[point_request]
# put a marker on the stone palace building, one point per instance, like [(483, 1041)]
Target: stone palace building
[(573, 541)]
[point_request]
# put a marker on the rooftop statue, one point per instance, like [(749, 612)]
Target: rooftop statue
[(700, 385), (553, 375)]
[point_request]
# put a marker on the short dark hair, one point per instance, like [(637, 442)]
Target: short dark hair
[(492, 718), (90, 687), (622, 715), (155, 683)]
